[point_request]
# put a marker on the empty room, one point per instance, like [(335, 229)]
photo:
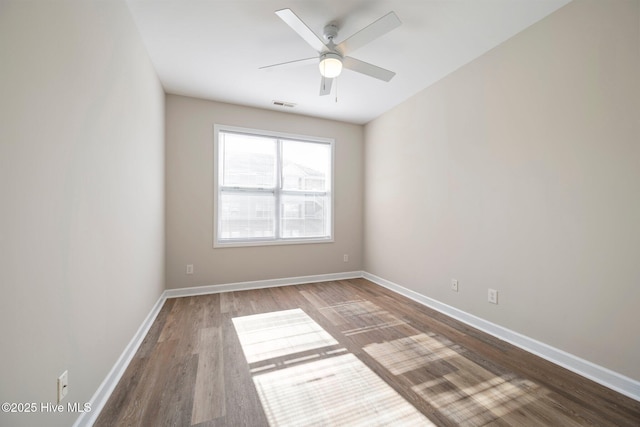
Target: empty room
[(320, 213)]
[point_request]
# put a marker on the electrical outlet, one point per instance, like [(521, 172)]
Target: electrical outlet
[(63, 385), (493, 296), (454, 285), (189, 268), (345, 258)]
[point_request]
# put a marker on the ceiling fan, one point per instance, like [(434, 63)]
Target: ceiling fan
[(332, 58)]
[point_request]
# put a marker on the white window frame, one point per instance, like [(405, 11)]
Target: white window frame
[(217, 178)]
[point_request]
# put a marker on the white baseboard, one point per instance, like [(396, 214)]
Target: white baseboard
[(606, 377), (100, 397), (260, 284), (599, 374)]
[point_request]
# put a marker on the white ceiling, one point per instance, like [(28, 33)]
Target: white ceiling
[(212, 49)]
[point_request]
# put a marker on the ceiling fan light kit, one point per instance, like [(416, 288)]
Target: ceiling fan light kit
[(330, 65), (333, 57)]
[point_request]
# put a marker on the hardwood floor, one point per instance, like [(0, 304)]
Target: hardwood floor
[(342, 353)]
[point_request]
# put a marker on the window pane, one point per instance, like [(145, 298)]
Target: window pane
[(248, 161), (247, 215), (306, 166), (304, 216)]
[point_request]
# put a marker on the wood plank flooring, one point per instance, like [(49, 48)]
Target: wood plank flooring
[(342, 353)]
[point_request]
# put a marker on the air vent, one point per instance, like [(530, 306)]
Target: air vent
[(284, 104)]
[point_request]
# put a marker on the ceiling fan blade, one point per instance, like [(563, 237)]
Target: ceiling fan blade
[(369, 33), (292, 63), (325, 86), (292, 20), (368, 69)]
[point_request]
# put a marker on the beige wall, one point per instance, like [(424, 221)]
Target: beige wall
[(81, 197), (189, 198), (521, 172)]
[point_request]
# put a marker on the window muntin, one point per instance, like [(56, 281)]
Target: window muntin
[(271, 188)]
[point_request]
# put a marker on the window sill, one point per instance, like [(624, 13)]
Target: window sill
[(241, 244)]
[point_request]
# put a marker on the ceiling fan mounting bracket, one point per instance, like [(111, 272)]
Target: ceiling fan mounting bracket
[(330, 32)]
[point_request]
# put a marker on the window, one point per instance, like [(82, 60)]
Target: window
[(271, 188)]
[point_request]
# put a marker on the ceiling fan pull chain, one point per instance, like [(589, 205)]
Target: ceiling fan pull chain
[(336, 90)]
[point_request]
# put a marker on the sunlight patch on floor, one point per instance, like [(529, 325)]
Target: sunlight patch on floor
[(366, 313), (406, 354), (340, 390), (303, 380), (463, 391), (269, 335), (480, 403)]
